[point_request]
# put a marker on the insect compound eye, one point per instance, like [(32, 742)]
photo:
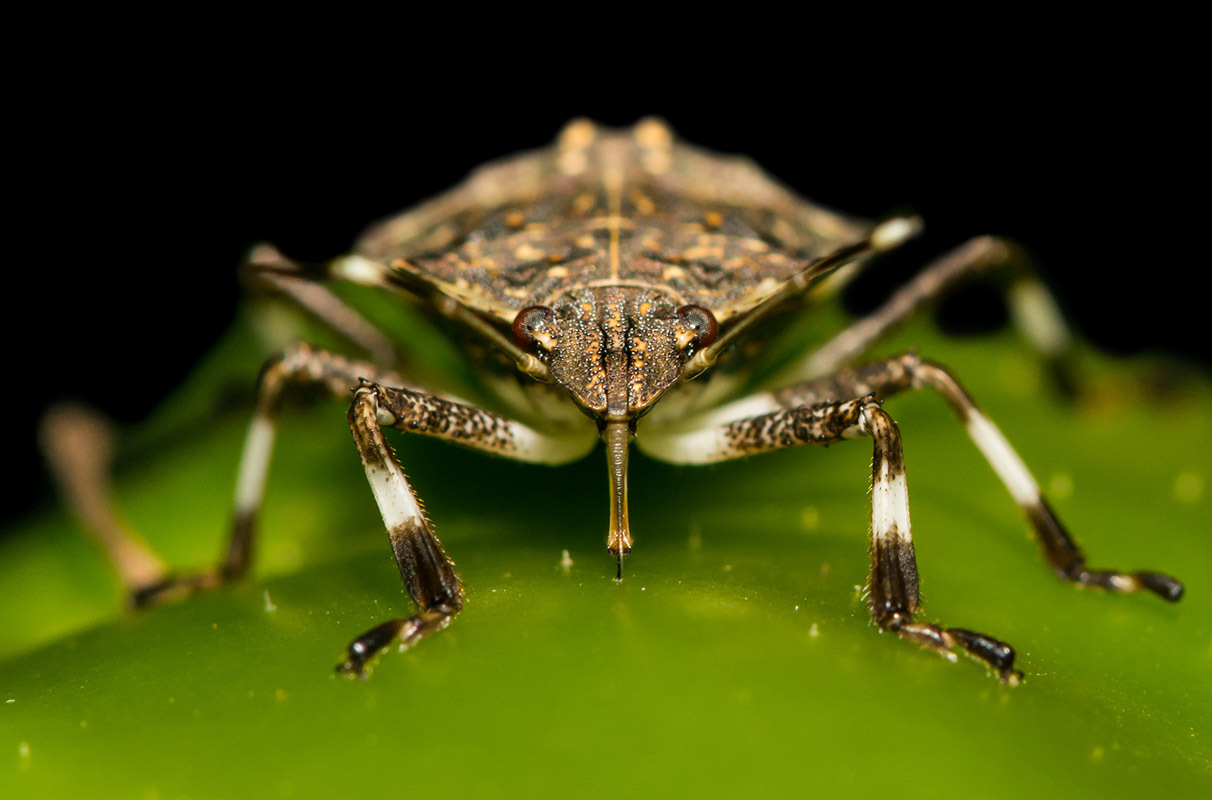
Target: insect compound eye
[(531, 325), (698, 327)]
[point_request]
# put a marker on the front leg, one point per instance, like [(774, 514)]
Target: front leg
[(429, 574), (808, 414), (892, 588)]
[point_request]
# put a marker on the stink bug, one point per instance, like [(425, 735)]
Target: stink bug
[(610, 282)]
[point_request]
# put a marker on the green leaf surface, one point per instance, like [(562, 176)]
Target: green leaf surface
[(736, 657)]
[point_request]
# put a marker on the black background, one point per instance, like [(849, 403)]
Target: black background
[(144, 174)]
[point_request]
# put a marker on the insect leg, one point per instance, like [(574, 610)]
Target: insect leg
[(428, 572), (267, 268), (892, 589), (1060, 550), (78, 444), (1032, 307), (909, 372), (298, 364)]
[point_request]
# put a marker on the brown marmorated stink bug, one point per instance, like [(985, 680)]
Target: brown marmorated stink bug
[(608, 281)]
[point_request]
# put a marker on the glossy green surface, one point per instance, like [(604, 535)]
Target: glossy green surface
[(736, 658)]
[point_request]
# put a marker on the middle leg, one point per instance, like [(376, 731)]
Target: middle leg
[(908, 372)]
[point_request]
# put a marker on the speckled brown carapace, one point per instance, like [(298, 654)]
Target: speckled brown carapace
[(607, 208)]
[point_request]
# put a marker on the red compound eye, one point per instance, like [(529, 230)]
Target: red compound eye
[(528, 321), (702, 322)]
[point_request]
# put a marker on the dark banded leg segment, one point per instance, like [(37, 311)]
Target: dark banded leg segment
[(300, 364), (1061, 551), (743, 429), (892, 589), (909, 372), (428, 573), (1069, 563)]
